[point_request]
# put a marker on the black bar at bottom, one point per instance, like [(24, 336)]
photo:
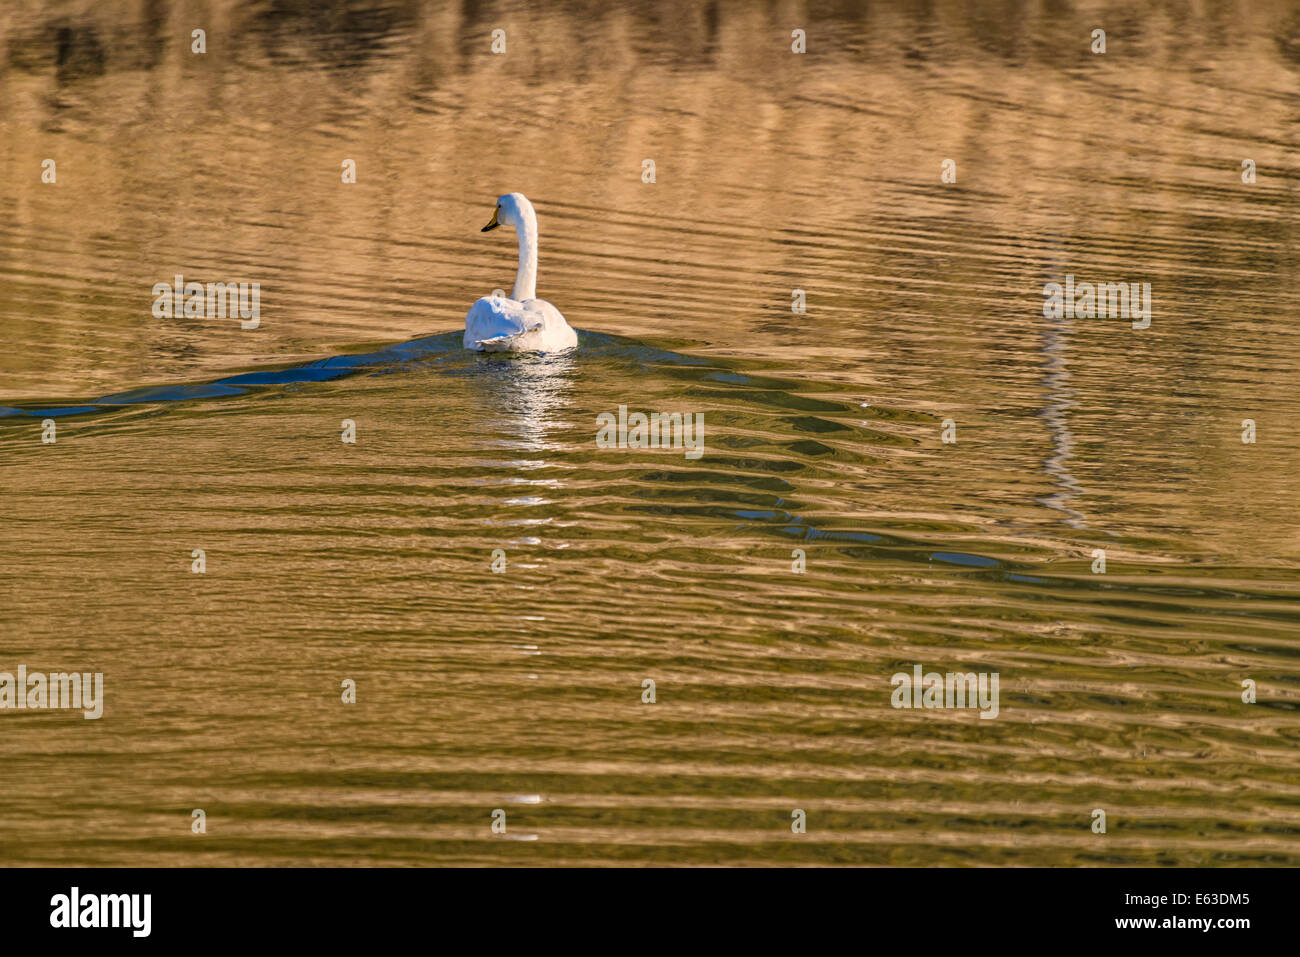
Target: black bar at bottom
[(634, 908)]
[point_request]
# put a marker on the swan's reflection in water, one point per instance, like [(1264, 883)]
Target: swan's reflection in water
[(524, 397), (526, 393)]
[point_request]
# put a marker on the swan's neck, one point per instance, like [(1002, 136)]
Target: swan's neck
[(526, 278)]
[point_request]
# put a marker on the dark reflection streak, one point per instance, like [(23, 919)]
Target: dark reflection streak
[(538, 382)]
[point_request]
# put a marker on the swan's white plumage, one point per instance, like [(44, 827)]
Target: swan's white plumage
[(522, 323), (497, 324)]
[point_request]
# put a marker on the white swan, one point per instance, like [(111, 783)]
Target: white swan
[(521, 323)]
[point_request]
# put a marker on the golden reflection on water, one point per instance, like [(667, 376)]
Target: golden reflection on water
[(522, 689)]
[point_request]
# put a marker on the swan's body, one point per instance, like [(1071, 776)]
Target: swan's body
[(522, 323), (509, 325)]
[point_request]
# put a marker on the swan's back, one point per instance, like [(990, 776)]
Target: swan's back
[(492, 318), (496, 324)]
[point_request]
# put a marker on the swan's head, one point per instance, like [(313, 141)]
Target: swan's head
[(513, 209)]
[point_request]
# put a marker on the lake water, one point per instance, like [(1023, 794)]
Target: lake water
[(828, 537)]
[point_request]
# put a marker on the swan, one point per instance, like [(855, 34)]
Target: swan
[(522, 323)]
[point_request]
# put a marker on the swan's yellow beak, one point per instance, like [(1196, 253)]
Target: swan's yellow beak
[(494, 224)]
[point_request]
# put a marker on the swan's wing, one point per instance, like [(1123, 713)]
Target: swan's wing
[(494, 320), (543, 308)]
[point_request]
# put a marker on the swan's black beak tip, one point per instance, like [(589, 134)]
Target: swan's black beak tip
[(490, 226)]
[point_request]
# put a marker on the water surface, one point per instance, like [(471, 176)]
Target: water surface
[(522, 690)]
